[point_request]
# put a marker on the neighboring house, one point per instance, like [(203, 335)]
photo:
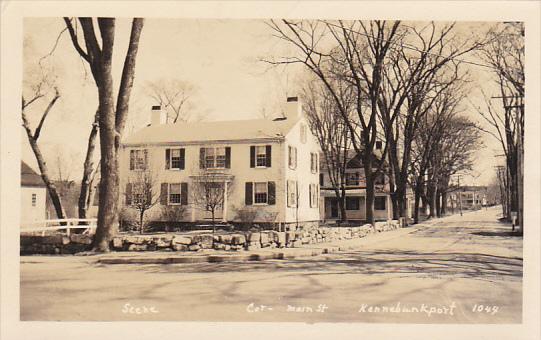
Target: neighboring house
[(269, 166), (33, 196), (468, 197), (356, 193)]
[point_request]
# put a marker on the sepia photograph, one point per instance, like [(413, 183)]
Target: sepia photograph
[(283, 169)]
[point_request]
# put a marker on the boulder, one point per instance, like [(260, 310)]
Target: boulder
[(117, 243), (179, 247), (238, 239), (204, 240), (81, 238), (219, 246), (161, 242), (137, 247), (194, 247), (55, 239), (186, 240), (253, 237), (280, 237), (135, 240), (264, 238), (226, 239)]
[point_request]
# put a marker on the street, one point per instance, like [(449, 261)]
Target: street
[(458, 269)]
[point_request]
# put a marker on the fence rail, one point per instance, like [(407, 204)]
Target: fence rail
[(89, 224)]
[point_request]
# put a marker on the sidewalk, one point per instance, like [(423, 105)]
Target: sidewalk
[(253, 255)]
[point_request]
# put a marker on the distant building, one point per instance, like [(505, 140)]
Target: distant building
[(270, 166), (468, 197), (33, 196), (355, 186)]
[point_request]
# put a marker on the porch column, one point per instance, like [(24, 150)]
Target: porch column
[(389, 206), (224, 212), (193, 212)]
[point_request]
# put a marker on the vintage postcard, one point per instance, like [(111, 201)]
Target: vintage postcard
[(270, 169)]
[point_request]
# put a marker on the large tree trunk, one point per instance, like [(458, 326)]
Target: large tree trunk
[(111, 120), (88, 169), (341, 197), (437, 195), (370, 194)]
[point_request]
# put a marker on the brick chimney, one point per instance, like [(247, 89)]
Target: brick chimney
[(157, 116), (293, 108)]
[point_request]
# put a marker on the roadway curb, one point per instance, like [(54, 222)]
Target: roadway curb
[(260, 255)]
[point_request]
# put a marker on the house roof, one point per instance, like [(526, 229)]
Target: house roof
[(30, 178), (211, 131)]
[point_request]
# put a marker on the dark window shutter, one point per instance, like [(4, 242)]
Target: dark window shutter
[(248, 193), (201, 158), (268, 151), (184, 193), (310, 195), (128, 193), (271, 187), (182, 158), (145, 166), (132, 159), (167, 159), (252, 156), (228, 157), (163, 194)]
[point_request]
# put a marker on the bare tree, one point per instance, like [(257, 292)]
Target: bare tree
[(422, 64), (210, 191), (357, 51), (89, 170), (332, 135), (36, 92), (505, 54), (176, 98), (112, 118), (142, 193)]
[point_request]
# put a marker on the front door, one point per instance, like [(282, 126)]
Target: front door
[(334, 208)]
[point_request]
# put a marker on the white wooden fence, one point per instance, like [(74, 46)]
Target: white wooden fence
[(89, 224)]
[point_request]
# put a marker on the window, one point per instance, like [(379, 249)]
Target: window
[(379, 202), (321, 179), (215, 157), (352, 179), (353, 203), (174, 159), (138, 159), (260, 193), (138, 194), (261, 156), (303, 133), (292, 157), (291, 193), (174, 193), (313, 162), (314, 195), (379, 145), (34, 200)]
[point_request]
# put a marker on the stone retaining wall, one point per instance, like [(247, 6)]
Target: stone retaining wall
[(62, 244)]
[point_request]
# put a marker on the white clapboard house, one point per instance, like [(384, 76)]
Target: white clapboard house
[(270, 168)]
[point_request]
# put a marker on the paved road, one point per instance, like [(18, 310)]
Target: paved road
[(439, 273)]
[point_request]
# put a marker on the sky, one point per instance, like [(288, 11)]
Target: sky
[(221, 58)]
